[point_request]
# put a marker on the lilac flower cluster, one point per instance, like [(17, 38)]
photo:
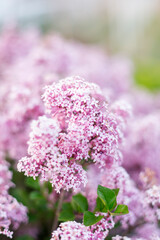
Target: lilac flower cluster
[(74, 231), (80, 130), (11, 212), (76, 135)]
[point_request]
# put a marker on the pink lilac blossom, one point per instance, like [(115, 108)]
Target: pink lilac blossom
[(153, 195), (44, 60), (11, 212), (142, 140), (101, 229), (80, 128), (20, 99), (25, 107), (24, 102), (15, 44), (75, 231), (148, 231), (126, 238), (46, 159), (90, 62), (121, 238), (155, 237), (142, 101), (5, 175), (82, 104), (72, 231)]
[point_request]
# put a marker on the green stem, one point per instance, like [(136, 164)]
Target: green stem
[(55, 223)]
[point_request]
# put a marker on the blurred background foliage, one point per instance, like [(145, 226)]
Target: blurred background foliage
[(130, 28)]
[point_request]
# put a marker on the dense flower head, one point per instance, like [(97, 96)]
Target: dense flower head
[(73, 97), (46, 159), (79, 129), (84, 112), (72, 231), (11, 212)]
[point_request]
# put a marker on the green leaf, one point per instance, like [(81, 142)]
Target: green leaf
[(100, 207), (25, 237), (107, 196), (89, 218), (116, 191), (120, 210), (30, 182), (80, 203), (67, 213)]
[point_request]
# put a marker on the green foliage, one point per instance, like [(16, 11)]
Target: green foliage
[(89, 218), (100, 206), (120, 210), (105, 202), (116, 191), (107, 196), (67, 213), (35, 197), (80, 203), (34, 184)]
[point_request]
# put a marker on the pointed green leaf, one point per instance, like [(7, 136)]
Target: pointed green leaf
[(100, 207), (89, 218), (116, 191), (107, 196), (120, 210), (80, 202)]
